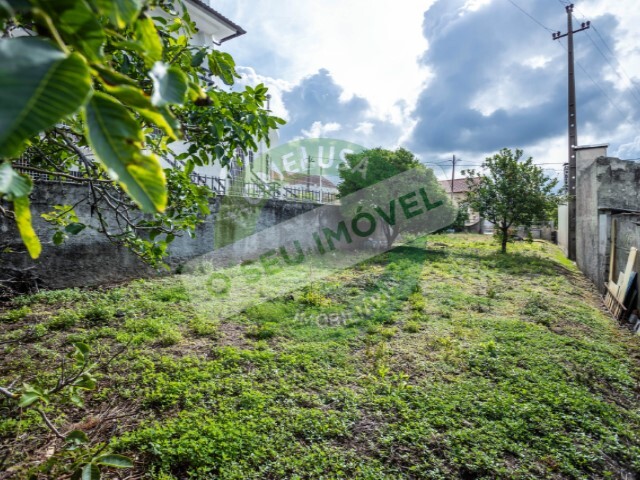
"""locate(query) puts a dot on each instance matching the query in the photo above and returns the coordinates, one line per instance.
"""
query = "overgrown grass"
(440, 359)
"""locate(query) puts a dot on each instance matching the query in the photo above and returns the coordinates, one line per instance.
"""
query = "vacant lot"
(440, 359)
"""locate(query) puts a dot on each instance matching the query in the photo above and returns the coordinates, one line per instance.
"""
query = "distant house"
(213, 30)
(458, 196)
(316, 183)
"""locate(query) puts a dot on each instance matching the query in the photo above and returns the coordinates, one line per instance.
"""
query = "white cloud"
(319, 129)
(629, 150)
(537, 61)
(365, 128)
(475, 5)
(370, 47)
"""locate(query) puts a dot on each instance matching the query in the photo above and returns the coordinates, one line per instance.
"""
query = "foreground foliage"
(96, 92)
(450, 361)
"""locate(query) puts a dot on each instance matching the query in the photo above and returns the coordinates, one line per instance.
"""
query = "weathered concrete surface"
(90, 259)
(627, 236)
(607, 188)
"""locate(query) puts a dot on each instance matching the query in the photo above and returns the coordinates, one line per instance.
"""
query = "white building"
(213, 30)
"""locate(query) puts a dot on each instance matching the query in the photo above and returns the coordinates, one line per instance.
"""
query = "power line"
(597, 85)
(634, 90)
(530, 16)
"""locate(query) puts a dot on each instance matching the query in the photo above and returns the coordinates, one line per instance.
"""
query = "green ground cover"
(440, 359)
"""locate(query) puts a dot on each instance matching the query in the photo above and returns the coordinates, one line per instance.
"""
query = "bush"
(263, 332)
(15, 315)
(411, 327)
(99, 314)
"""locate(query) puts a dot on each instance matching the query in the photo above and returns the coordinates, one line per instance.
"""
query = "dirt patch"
(232, 335)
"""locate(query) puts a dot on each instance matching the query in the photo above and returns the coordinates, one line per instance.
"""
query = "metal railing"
(218, 185)
(272, 190)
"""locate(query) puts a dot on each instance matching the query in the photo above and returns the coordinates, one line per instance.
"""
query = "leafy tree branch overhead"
(97, 92)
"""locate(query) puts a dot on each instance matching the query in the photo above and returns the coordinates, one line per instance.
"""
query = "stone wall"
(89, 258)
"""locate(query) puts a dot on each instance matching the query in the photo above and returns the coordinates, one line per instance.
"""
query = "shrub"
(263, 332)
(99, 314)
(15, 315)
(65, 319)
(169, 338)
(411, 327)
(203, 327)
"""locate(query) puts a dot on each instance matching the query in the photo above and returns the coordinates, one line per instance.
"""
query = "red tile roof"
(459, 185)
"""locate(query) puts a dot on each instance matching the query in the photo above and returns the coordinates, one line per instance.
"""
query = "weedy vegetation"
(455, 362)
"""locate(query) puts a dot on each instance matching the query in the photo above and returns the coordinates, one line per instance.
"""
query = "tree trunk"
(390, 234)
(505, 239)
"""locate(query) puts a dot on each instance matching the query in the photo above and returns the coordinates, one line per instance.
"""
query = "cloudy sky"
(444, 77)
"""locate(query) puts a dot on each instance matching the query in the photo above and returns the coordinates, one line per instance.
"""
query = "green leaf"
(12, 183)
(28, 398)
(129, 95)
(58, 238)
(112, 77)
(90, 472)
(80, 27)
(23, 220)
(148, 37)
(117, 140)
(198, 58)
(75, 228)
(86, 382)
(5, 10)
(113, 460)
(222, 65)
(120, 12)
(162, 118)
(77, 436)
(169, 85)
(39, 86)
(135, 98)
(82, 348)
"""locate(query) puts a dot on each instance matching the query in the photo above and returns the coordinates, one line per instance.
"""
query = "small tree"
(511, 193)
(373, 167)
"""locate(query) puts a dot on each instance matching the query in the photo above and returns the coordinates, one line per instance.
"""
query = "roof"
(459, 185)
(586, 147)
(237, 29)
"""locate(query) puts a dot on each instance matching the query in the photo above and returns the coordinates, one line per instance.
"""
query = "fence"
(218, 185)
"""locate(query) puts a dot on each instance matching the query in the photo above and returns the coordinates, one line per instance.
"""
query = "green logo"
(301, 162)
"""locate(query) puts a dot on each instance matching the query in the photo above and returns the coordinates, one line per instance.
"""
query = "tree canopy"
(371, 170)
(96, 92)
(512, 192)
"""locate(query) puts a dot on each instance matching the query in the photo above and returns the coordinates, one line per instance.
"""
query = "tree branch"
(49, 424)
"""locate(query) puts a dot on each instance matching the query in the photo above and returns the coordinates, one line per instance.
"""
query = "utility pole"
(573, 126)
(309, 173)
(453, 176)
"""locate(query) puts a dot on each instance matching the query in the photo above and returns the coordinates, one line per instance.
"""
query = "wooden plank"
(624, 283)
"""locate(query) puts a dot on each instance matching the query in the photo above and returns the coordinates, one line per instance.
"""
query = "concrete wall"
(606, 187)
(587, 221)
(563, 228)
(90, 259)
